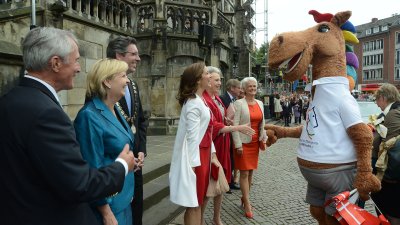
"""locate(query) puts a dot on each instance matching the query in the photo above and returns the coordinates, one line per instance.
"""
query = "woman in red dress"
(221, 136)
(248, 110)
(193, 149)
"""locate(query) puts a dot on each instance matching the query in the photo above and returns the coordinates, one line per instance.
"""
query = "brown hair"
(188, 85)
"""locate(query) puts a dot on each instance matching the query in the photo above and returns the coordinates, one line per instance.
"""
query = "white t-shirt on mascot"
(332, 110)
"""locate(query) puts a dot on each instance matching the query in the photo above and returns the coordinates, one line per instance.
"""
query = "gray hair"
(42, 43)
(119, 45)
(389, 92)
(245, 81)
(212, 69)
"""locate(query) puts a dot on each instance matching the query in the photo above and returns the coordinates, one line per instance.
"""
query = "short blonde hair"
(102, 70)
(245, 81)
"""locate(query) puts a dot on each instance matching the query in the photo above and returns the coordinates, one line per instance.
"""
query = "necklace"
(126, 117)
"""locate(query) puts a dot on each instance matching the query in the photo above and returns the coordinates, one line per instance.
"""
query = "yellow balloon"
(350, 37)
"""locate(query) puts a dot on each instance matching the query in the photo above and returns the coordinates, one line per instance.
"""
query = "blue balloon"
(351, 72)
(349, 27)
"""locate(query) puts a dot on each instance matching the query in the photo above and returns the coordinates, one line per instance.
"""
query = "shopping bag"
(348, 213)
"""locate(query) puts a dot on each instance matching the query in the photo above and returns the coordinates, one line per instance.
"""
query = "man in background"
(130, 106)
(232, 93)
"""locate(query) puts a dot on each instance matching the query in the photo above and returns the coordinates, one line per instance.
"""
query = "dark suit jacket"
(286, 109)
(44, 179)
(139, 121)
(226, 99)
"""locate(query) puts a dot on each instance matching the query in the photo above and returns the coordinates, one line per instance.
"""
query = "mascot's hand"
(365, 183)
(272, 138)
(274, 133)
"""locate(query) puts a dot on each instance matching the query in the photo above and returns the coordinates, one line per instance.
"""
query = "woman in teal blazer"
(102, 132)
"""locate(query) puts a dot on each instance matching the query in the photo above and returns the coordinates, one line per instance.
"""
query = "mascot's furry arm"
(365, 181)
(275, 132)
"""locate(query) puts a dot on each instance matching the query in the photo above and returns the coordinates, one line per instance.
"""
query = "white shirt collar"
(52, 90)
(331, 80)
(385, 112)
(231, 96)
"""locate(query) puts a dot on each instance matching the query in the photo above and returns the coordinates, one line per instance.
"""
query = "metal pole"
(33, 14)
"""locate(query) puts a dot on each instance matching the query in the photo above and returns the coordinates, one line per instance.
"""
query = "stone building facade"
(168, 36)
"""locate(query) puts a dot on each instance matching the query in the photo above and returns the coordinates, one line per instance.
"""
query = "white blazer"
(193, 123)
(242, 116)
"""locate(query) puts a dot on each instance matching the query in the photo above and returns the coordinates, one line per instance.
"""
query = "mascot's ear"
(340, 18)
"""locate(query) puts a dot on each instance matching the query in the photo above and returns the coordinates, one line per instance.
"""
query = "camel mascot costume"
(334, 152)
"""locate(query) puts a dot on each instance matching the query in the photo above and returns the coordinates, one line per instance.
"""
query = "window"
(398, 37)
(368, 31)
(397, 73)
(376, 30)
(397, 57)
(379, 74)
(366, 75)
(380, 43)
(384, 28)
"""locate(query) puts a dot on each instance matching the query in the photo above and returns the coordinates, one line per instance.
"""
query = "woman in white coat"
(193, 150)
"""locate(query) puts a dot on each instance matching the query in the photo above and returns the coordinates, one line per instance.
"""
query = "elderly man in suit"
(43, 176)
(125, 49)
(231, 94)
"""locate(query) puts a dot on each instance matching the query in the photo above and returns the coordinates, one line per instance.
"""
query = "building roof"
(378, 24)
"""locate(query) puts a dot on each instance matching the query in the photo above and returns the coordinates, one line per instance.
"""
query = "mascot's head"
(323, 46)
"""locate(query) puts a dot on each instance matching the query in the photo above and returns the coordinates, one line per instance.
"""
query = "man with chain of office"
(125, 49)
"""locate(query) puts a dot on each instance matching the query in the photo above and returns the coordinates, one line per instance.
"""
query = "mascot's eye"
(323, 28)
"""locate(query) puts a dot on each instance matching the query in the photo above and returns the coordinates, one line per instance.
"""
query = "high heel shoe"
(242, 202)
(249, 215)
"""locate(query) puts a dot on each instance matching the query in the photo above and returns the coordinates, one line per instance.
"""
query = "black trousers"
(137, 203)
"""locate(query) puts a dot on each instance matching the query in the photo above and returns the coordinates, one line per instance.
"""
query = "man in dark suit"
(125, 49)
(43, 176)
(231, 94)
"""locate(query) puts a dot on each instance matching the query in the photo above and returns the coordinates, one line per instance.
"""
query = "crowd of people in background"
(289, 107)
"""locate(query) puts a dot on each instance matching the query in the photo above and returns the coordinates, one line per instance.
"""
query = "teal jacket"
(102, 137)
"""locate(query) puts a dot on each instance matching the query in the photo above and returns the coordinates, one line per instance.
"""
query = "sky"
(292, 15)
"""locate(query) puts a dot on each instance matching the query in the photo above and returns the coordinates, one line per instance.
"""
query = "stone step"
(156, 205)
(161, 213)
(155, 190)
(157, 130)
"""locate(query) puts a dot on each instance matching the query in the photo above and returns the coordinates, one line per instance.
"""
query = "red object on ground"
(351, 214)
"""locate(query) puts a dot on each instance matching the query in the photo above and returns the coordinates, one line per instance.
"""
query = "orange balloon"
(351, 82)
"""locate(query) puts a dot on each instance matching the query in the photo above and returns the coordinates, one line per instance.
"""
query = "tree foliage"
(260, 55)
